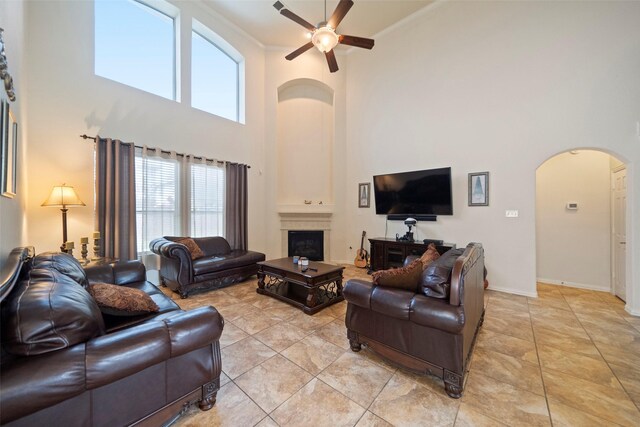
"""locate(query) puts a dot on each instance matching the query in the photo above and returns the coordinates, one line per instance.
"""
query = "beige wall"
(279, 72)
(574, 246)
(478, 86)
(498, 87)
(12, 211)
(67, 99)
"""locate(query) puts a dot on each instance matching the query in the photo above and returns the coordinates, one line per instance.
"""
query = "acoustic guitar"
(362, 256)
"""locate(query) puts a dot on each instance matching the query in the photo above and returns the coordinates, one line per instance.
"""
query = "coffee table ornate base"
(308, 290)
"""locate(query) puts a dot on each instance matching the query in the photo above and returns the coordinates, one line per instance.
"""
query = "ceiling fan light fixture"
(325, 38)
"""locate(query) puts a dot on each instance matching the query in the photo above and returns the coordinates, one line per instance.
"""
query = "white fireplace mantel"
(305, 209)
(308, 220)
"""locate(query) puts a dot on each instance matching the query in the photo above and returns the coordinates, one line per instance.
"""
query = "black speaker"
(402, 217)
(435, 242)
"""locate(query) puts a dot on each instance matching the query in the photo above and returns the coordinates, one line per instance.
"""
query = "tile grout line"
(637, 405)
(599, 352)
(535, 342)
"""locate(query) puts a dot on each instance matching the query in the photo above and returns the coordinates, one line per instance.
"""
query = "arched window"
(135, 44)
(216, 74)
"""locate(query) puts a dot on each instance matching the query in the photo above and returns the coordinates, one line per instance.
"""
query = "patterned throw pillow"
(121, 300)
(430, 255)
(406, 278)
(193, 247)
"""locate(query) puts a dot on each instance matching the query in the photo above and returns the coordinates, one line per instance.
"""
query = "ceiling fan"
(324, 36)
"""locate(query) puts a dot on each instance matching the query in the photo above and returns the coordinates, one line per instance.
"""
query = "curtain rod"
(221, 162)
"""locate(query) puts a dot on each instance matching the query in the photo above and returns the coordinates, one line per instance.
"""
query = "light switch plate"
(511, 213)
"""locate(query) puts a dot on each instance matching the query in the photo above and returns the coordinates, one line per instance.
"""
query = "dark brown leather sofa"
(426, 334)
(219, 267)
(63, 364)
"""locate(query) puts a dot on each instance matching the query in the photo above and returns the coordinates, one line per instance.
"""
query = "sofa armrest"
(467, 277)
(358, 292)
(118, 273)
(194, 329)
(125, 352)
(175, 260)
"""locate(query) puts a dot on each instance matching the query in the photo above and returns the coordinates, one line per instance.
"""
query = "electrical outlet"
(511, 213)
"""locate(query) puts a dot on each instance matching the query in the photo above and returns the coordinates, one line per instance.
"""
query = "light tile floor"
(570, 357)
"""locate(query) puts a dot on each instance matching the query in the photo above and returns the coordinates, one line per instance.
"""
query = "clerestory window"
(215, 74)
(135, 44)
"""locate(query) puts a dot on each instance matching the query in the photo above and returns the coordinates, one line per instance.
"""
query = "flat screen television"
(425, 192)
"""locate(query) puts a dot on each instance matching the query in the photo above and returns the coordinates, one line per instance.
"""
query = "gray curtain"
(236, 206)
(116, 198)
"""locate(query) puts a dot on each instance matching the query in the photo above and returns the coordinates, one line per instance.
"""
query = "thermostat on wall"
(572, 206)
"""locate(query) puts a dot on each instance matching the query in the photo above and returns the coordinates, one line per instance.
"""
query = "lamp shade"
(62, 196)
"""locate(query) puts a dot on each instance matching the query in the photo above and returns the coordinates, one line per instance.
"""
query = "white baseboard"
(574, 285)
(513, 291)
(630, 311)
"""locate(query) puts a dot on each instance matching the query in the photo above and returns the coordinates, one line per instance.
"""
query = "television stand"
(389, 253)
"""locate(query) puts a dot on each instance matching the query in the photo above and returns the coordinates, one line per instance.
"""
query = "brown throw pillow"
(406, 278)
(193, 247)
(430, 255)
(121, 300)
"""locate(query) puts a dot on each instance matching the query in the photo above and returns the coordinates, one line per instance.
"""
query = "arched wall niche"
(305, 139)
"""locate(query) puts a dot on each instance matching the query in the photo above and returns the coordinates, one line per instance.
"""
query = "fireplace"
(307, 243)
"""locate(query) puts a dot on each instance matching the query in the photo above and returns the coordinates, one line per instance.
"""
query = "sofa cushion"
(30, 384)
(46, 312)
(213, 245)
(391, 302)
(430, 255)
(406, 278)
(437, 313)
(235, 258)
(192, 246)
(122, 300)
(358, 292)
(64, 264)
(436, 278)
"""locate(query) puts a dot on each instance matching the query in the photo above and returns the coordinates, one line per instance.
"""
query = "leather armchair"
(219, 267)
(425, 334)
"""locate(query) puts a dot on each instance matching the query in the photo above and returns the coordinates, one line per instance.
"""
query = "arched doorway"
(581, 221)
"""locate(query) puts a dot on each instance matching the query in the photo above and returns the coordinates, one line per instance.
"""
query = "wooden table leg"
(312, 298)
(260, 275)
(339, 287)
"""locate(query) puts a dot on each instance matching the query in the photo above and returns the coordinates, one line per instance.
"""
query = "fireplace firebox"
(305, 243)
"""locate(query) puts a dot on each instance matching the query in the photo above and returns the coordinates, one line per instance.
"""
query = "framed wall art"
(479, 189)
(364, 195)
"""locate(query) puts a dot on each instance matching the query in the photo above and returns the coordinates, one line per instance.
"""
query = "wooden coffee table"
(311, 290)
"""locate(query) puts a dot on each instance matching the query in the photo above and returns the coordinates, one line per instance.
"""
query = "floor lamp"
(62, 197)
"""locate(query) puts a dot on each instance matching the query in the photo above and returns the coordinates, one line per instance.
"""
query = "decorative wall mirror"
(8, 129)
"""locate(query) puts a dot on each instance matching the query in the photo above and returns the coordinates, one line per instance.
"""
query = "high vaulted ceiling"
(263, 22)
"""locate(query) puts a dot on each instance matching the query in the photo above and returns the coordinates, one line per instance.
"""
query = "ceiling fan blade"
(295, 18)
(356, 41)
(331, 60)
(340, 12)
(299, 51)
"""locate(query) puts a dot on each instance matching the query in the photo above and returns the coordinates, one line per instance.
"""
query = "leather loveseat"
(64, 364)
(219, 266)
(431, 329)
